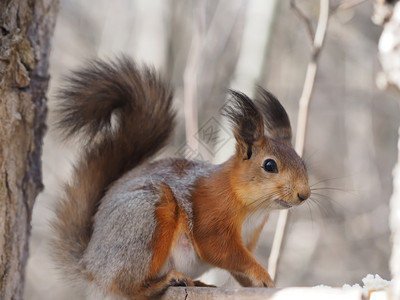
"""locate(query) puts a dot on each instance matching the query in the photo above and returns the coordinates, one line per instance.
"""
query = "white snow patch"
(375, 288)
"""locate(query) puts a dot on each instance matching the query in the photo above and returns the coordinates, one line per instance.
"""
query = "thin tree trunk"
(26, 28)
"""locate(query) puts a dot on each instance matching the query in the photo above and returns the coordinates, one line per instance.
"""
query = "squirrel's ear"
(247, 121)
(276, 120)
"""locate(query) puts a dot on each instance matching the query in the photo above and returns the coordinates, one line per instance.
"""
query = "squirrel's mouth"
(283, 203)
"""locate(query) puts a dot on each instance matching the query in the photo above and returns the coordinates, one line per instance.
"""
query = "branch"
(304, 104)
(304, 18)
(190, 79)
(347, 4)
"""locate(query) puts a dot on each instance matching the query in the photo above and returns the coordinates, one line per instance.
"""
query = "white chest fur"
(252, 223)
(184, 259)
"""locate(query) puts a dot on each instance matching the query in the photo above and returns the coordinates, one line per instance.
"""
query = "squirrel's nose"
(304, 194)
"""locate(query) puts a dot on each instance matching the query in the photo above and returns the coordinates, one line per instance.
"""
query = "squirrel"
(133, 226)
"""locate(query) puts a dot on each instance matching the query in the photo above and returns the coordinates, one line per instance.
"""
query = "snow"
(374, 288)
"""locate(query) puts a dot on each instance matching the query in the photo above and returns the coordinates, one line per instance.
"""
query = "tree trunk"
(26, 28)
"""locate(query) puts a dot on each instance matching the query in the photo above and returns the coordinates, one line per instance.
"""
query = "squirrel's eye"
(270, 166)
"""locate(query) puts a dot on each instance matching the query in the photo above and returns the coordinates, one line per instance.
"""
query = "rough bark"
(26, 28)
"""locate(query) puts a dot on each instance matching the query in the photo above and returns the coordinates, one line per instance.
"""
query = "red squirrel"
(132, 226)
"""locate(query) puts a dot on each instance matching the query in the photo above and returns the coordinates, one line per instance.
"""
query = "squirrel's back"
(123, 116)
(121, 251)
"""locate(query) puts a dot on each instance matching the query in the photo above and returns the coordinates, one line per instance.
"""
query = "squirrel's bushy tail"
(123, 116)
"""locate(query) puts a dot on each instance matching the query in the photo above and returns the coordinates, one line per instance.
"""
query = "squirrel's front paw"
(263, 280)
(176, 278)
(255, 279)
(267, 283)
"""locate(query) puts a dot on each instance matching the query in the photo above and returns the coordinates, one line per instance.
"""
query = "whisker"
(310, 211)
(323, 209)
(329, 179)
(351, 192)
(322, 195)
(260, 202)
(329, 199)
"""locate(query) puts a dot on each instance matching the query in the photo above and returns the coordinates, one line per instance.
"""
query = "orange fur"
(218, 218)
(170, 222)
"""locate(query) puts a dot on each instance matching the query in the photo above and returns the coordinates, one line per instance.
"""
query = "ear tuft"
(275, 117)
(247, 121)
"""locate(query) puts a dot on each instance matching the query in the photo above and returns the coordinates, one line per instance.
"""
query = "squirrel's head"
(266, 171)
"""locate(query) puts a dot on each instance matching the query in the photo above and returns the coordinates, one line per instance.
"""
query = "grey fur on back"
(125, 221)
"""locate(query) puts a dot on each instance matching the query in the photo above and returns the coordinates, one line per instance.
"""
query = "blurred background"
(204, 48)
